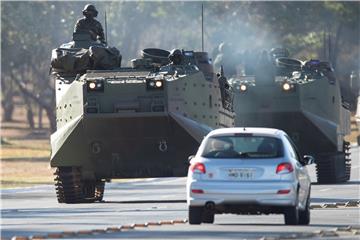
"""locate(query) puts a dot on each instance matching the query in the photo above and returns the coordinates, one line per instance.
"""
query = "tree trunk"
(52, 118)
(40, 123)
(29, 113)
(8, 102)
(8, 107)
(48, 107)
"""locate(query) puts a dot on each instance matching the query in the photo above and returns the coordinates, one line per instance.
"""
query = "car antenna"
(244, 129)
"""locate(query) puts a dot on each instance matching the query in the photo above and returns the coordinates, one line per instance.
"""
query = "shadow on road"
(337, 184)
(146, 201)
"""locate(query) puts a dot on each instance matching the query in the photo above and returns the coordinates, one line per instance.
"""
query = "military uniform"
(92, 26)
(89, 24)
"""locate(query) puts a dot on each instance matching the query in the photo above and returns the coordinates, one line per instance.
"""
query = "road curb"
(336, 232)
(81, 233)
(349, 204)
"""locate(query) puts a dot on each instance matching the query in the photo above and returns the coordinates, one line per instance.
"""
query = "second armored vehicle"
(303, 99)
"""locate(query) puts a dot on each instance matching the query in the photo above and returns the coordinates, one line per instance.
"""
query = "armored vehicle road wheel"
(332, 169)
(70, 188)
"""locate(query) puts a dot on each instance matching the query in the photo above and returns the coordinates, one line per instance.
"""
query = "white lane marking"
(325, 189)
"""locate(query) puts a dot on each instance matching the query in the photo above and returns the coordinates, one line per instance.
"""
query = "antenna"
(329, 47)
(202, 27)
(106, 37)
(324, 46)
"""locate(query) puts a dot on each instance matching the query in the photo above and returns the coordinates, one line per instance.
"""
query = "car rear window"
(243, 146)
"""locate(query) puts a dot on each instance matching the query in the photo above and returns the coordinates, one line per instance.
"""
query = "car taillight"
(284, 168)
(198, 191)
(198, 168)
(284, 191)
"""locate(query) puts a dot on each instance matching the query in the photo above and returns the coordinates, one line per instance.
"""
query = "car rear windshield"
(243, 146)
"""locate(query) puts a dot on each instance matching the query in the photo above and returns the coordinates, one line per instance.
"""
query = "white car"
(248, 171)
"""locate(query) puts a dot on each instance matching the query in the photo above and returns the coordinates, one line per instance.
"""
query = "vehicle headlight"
(243, 87)
(152, 84)
(95, 86)
(92, 85)
(286, 86)
(158, 83)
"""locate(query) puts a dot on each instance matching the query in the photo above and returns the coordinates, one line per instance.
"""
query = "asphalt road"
(35, 211)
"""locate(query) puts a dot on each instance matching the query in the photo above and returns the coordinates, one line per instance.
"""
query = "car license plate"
(240, 173)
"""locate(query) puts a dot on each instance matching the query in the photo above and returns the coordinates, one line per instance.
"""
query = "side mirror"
(308, 160)
(190, 157)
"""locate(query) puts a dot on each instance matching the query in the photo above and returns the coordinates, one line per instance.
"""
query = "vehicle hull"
(126, 146)
(313, 115)
(305, 114)
(310, 139)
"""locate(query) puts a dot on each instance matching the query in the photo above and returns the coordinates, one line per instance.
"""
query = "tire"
(208, 217)
(195, 215)
(304, 215)
(291, 216)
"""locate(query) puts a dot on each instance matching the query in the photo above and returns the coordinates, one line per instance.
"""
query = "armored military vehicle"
(130, 122)
(302, 98)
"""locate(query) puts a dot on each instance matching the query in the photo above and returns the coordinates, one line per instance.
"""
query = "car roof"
(253, 130)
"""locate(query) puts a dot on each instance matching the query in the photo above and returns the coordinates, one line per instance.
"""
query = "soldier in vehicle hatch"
(89, 24)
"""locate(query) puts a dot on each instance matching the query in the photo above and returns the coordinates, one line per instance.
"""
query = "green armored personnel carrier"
(130, 122)
(302, 98)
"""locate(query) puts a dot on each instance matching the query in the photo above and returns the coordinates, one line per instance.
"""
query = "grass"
(24, 154)
(20, 173)
(17, 152)
(25, 163)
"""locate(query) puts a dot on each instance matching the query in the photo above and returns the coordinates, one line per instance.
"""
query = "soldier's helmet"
(90, 9)
(176, 56)
(279, 52)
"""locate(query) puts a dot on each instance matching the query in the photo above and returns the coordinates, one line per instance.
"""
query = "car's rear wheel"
(208, 217)
(291, 215)
(304, 215)
(195, 215)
